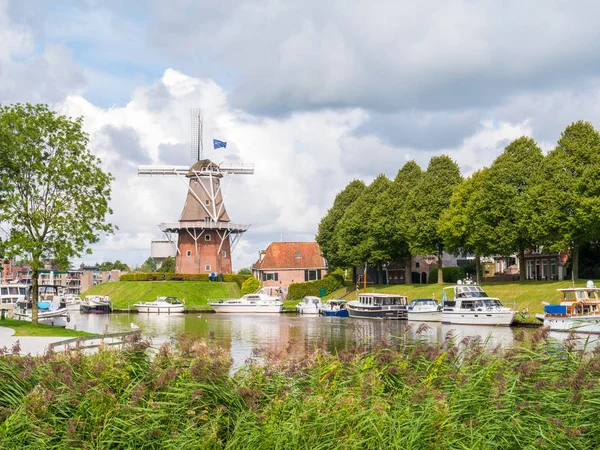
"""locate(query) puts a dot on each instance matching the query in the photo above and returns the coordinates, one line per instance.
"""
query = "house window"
(207, 267)
(530, 270)
(311, 275)
(224, 254)
(207, 237)
(188, 253)
(274, 276)
(544, 269)
(417, 265)
(298, 255)
(553, 269)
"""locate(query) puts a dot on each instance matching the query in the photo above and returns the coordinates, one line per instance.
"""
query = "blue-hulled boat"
(334, 308)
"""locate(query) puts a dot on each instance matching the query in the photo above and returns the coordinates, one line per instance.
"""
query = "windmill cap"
(202, 166)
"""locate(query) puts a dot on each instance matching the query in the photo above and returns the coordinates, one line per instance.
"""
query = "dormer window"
(297, 254)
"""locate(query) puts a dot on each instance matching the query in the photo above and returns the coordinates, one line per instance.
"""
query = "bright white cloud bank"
(301, 162)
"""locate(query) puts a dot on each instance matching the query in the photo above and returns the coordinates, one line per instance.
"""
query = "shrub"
(251, 285)
(159, 276)
(450, 274)
(245, 271)
(330, 282)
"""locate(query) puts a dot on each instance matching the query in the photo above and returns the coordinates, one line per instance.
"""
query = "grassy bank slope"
(195, 293)
(25, 328)
(528, 294)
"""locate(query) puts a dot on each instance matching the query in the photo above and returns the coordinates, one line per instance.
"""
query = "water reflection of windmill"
(204, 236)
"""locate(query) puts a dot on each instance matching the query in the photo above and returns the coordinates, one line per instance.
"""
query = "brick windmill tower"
(204, 236)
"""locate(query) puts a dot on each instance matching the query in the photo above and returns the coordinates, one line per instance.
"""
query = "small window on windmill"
(207, 267)
(207, 202)
(188, 253)
(298, 255)
(224, 254)
(207, 237)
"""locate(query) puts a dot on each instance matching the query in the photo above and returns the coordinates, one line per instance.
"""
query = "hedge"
(330, 282)
(159, 276)
(450, 274)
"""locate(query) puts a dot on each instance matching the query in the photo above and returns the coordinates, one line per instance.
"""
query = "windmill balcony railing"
(233, 227)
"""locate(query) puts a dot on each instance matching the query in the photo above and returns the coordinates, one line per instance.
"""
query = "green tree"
(245, 271)
(565, 201)
(355, 241)
(251, 285)
(326, 235)
(55, 195)
(389, 225)
(511, 178)
(427, 205)
(464, 225)
(168, 265)
(149, 265)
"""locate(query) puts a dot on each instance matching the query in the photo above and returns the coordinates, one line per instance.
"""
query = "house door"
(424, 278)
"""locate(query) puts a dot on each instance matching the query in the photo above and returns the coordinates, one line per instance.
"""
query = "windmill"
(204, 236)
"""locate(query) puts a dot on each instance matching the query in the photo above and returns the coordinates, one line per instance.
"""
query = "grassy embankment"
(25, 328)
(407, 396)
(124, 294)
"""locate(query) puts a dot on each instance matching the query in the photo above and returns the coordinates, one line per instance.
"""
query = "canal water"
(243, 334)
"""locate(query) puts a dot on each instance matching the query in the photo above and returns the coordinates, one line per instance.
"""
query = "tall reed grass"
(396, 395)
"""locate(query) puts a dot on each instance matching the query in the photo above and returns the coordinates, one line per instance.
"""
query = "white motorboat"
(425, 310)
(96, 304)
(468, 304)
(50, 305)
(378, 306)
(262, 301)
(578, 311)
(334, 308)
(72, 302)
(309, 305)
(162, 305)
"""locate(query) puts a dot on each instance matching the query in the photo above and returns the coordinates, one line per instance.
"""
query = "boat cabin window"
(4, 291)
(592, 295)
(580, 295)
(568, 295)
(13, 290)
(467, 304)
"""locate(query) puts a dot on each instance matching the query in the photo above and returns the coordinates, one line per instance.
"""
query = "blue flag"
(219, 144)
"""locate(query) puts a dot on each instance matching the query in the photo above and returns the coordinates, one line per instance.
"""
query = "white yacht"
(10, 294)
(262, 301)
(468, 304)
(162, 305)
(579, 310)
(309, 305)
(72, 302)
(425, 310)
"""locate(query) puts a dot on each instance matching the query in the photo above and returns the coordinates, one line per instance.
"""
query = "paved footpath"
(34, 345)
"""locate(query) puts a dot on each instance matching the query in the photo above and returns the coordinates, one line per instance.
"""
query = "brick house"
(284, 263)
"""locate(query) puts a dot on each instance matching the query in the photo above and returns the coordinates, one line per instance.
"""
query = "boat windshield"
(425, 302)
(470, 292)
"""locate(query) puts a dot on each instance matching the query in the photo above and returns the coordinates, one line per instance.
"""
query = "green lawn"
(195, 293)
(523, 294)
(25, 328)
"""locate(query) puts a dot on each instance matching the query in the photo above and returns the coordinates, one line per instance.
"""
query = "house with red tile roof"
(284, 263)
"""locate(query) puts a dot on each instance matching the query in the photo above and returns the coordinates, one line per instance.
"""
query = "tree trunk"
(34, 293)
(408, 270)
(522, 271)
(440, 270)
(477, 269)
(575, 261)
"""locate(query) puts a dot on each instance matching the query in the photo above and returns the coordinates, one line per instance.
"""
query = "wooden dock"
(86, 342)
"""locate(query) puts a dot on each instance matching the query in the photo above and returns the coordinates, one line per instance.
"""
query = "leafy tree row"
(523, 200)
